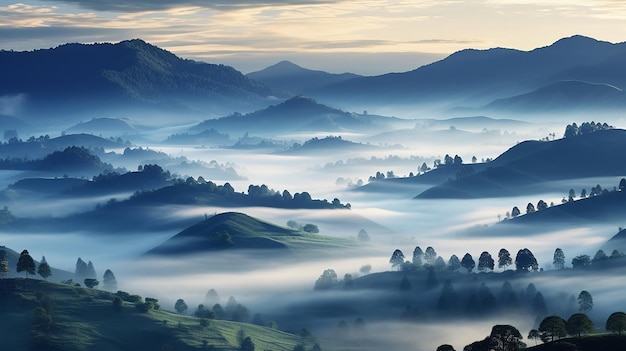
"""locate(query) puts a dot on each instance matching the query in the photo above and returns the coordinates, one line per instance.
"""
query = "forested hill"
(131, 74)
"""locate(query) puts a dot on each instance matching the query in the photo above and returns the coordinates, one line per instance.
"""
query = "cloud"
(159, 5)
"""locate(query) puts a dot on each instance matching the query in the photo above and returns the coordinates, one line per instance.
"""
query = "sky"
(366, 37)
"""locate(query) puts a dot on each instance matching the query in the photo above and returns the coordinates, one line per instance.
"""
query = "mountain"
(328, 144)
(523, 168)
(477, 77)
(298, 114)
(289, 77)
(104, 126)
(128, 77)
(573, 96)
(232, 230)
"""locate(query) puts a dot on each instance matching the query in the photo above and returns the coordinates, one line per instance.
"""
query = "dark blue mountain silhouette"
(289, 77)
(132, 74)
(480, 76)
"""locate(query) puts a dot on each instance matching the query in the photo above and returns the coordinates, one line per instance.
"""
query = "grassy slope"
(84, 319)
(246, 233)
(605, 342)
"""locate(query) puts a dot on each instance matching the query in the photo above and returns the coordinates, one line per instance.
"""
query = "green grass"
(84, 319)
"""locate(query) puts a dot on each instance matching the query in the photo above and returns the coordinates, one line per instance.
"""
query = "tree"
(44, 269)
(534, 334)
(397, 258)
(26, 263)
(454, 264)
(91, 282)
(581, 261)
(541, 205)
(504, 258)
(418, 255)
(599, 258)
(485, 262)
(558, 260)
(622, 184)
(539, 304)
(117, 303)
(448, 299)
(326, 280)
(363, 236)
(468, 263)
(552, 327)
(4, 264)
(430, 255)
(109, 283)
(445, 347)
(510, 338)
(180, 306)
(578, 324)
(515, 212)
(616, 323)
(585, 301)
(447, 160)
(525, 261)
(440, 264)
(41, 319)
(311, 228)
(530, 208)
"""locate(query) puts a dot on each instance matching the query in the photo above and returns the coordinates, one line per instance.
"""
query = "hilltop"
(237, 231)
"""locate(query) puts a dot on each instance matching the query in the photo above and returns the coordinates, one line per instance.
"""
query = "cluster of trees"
(542, 205)
(26, 264)
(524, 261)
(72, 157)
(572, 130)
(309, 228)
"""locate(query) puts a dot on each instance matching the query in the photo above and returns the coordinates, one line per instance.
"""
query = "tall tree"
(530, 208)
(397, 259)
(468, 262)
(558, 260)
(616, 323)
(4, 264)
(418, 255)
(578, 324)
(109, 283)
(430, 255)
(515, 212)
(26, 263)
(552, 327)
(585, 301)
(44, 269)
(180, 306)
(485, 262)
(454, 264)
(525, 261)
(504, 258)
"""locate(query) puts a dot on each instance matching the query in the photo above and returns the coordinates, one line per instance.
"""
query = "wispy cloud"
(158, 5)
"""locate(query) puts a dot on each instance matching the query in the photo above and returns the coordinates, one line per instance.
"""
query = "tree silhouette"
(109, 283)
(247, 344)
(581, 261)
(397, 259)
(4, 264)
(578, 324)
(585, 301)
(44, 269)
(418, 254)
(616, 322)
(468, 262)
(180, 306)
(454, 264)
(530, 208)
(552, 327)
(515, 212)
(534, 334)
(485, 262)
(26, 263)
(91, 282)
(326, 280)
(558, 260)
(525, 261)
(504, 258)
(430, 255)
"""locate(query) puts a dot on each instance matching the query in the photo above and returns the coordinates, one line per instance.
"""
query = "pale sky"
(360, 36)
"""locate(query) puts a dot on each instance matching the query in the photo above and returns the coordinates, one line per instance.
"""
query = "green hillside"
(85, 319)
(605, 342)
(233, 230)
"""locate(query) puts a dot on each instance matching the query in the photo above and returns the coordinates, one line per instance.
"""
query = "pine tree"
(109, 283)
(44, 269)
(26, 263)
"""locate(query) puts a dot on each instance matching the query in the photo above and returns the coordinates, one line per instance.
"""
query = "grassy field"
(85, 319)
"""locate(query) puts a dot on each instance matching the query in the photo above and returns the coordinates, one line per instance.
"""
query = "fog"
(272, 283)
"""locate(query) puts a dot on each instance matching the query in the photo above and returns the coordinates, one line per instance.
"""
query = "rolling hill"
(72, 80)
(78, 318)
(289, 77)
(105, 127)
(237, 231)
(524, 167)
(570, 95)
(477, 77)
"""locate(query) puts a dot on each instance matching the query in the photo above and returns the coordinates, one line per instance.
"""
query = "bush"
(117, 303)
(41, 319)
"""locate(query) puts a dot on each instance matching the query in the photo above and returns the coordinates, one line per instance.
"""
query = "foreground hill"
(287, 76)
(131, 75)
(76, 318)
(236, 231)
(523, 167)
